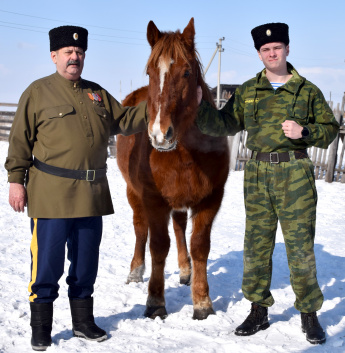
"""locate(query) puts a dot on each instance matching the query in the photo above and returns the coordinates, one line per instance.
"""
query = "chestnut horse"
(171, 168)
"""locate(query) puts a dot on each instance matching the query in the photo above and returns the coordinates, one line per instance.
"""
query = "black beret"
(270, 32)
(68, 36)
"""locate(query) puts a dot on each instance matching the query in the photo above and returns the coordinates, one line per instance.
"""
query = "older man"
(284, 114)
(57, 167)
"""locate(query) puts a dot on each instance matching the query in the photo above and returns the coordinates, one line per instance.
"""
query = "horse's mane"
(170, 46)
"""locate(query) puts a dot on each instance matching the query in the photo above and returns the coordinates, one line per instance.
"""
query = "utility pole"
(219, 49)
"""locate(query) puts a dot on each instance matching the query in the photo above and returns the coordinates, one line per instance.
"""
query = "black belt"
(275, 157)
(88, 175)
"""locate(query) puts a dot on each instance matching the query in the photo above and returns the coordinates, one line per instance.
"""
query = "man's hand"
(199, 94)
(17, 197)
(292, 130)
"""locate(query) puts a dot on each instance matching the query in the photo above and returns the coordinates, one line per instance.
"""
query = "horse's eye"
(186, 73)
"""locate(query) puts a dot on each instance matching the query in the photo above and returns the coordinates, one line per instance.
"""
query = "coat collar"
(66, 82)
(293, 85)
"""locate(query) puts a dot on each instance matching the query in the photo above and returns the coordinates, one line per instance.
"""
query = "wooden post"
(234, 147)
(112, 146)
(332, 157)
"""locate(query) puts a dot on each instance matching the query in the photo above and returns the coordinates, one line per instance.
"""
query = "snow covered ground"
(119, 307)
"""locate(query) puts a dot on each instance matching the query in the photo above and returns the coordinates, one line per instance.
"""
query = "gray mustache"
(73, 62)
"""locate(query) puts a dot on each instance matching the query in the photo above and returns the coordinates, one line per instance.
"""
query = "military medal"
(96, 98)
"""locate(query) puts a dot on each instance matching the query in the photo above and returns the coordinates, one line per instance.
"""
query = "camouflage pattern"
(284, 191)
(258, 108)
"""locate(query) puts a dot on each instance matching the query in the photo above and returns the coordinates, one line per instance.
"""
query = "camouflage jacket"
(258, 108)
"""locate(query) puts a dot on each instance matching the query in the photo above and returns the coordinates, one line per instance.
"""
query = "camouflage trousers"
(284, 192)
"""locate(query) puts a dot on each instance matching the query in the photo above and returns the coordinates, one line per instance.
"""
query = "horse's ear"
(189, 33)
(153, 34)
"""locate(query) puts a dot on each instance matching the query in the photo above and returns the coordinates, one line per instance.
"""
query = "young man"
(284, 114)
(65, 121)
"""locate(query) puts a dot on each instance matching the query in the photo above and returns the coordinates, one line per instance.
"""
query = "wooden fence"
(329, 163)
(6, 119)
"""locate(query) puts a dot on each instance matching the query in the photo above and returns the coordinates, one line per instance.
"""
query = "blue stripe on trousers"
(49, 236)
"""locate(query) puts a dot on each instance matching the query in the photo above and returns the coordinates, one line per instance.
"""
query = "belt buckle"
(93, 174)
(274, 153)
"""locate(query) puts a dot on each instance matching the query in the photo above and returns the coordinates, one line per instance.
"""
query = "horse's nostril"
(169, 133)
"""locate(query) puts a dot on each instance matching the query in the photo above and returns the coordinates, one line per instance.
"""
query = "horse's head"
(174, 70)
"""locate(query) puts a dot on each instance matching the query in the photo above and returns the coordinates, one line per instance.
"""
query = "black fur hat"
(270, 32)
(68, 36)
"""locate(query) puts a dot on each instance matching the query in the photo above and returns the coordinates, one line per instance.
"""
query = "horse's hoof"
(185, 280)
(131, 279)
(136, 275)
(153, 311)
(202, 314)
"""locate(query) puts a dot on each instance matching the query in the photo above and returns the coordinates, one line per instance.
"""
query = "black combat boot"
(83, 320)
(41, 323)
(312, 328)
(257, 320)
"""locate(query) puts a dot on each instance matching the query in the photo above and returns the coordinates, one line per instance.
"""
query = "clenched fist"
(292, 130)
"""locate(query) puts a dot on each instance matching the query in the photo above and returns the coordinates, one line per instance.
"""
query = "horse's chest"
(180, 180)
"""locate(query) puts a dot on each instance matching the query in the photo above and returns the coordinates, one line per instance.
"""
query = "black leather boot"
(83, 320)
(41, 323)
(257, 320)
(312, 328)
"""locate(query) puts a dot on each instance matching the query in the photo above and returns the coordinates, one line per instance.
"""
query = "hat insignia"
(268, 32)
(75, 36)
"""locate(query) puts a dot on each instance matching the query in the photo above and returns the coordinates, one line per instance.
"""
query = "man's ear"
(260, 57)
(287, 50)
(53, 55)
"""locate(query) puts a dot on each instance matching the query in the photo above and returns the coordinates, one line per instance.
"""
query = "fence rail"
(329, 163)
(6, 120)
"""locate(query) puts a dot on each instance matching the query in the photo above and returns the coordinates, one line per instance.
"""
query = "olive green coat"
(258, 108)
(60, 123)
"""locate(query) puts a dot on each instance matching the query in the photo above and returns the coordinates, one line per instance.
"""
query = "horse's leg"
(141, 229)
(158, 216)
(180, 224)
(203, 216)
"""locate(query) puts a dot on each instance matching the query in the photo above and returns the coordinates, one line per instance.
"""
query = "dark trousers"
(49, 237)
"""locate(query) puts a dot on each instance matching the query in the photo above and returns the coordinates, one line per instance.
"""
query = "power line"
(23, 29)
(90, 37)
(20, 24)
(92, 26)
(50, 19)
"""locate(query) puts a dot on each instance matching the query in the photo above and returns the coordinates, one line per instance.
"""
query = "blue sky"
(118, 49)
